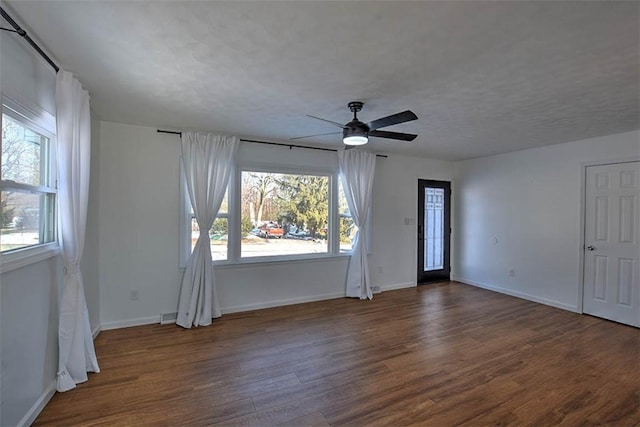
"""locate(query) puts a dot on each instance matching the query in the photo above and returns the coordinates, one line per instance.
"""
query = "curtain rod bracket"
(22, 33)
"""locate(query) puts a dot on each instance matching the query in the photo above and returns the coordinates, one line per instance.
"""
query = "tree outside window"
(289, 213)
(27, 201)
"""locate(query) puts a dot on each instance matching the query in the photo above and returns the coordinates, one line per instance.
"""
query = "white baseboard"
(395, 286)
(130, 322)
(46, 396)
(225, 310)
(96, 331)
(517, 294)
(279, 303)
(39, 405)
(247, 307)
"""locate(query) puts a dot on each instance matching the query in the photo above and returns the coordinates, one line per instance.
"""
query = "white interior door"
(612, 243)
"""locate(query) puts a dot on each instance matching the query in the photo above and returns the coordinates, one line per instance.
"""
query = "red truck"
(271, 229)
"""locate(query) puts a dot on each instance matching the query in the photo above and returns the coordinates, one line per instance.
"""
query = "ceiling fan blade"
(340, 125)
(393, 135)
(318, 134)
(394, 119)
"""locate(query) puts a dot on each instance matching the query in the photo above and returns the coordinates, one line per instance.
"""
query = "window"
(348, 228)
(284, 214)
(274, 213)
(219, 232)
(27, 200)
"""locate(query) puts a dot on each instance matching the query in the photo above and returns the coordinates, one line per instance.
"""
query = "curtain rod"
(22, 33)
(173, 132)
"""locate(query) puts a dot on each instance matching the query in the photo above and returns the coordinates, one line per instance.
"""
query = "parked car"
(298, 234)
(271, 229)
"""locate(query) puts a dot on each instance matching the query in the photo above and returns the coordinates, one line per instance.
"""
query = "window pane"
(284, 214)
(218, 236)
(23, 153)
(348, 228)
(224, 206)
(24, 218)
(434, 229)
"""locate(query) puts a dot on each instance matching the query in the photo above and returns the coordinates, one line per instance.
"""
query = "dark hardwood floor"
(438, 355)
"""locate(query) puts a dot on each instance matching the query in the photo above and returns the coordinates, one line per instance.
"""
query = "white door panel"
(612, 242)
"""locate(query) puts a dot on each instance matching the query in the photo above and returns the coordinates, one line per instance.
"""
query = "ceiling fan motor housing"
(355, 127)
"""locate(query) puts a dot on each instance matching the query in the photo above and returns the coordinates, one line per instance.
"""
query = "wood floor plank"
(314, 419)
(443, 354)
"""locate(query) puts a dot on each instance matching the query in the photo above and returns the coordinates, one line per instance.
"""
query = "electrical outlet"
(134, 295)
(512, 272)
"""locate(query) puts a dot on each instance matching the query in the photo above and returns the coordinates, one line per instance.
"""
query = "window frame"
(286, 170)
(44, 123)
(234, 216)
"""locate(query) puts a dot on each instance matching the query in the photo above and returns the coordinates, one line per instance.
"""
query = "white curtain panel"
(77, 355)
(208, 161)
(356, 172)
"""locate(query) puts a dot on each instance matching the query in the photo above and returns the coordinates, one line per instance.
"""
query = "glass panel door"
(433, 230)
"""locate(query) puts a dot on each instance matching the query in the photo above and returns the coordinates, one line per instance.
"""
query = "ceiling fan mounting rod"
(355, 106)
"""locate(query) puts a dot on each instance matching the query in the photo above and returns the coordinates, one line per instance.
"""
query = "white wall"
(521, 211)
(29, 328)
(395, 244)
(25, 76)
(139, 229)
(28, 295)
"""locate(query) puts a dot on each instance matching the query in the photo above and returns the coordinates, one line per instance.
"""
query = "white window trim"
(45, 123)
(42, 120)
(29, 255)
(234, 245)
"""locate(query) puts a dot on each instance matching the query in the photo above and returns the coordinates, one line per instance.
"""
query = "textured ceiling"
(483, 77)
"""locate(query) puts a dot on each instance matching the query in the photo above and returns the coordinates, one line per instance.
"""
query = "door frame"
(447, 252)
(583, 207)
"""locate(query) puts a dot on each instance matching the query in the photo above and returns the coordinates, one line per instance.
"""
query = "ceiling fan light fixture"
(355, 140)
(355, 134)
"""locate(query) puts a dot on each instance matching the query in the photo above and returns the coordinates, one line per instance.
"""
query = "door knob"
(591, 248)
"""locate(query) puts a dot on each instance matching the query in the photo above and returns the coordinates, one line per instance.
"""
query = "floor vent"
(166, 318)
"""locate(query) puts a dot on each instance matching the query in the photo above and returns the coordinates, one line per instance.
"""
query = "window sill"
(263, 261)
(23, 257)
(279, 260)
